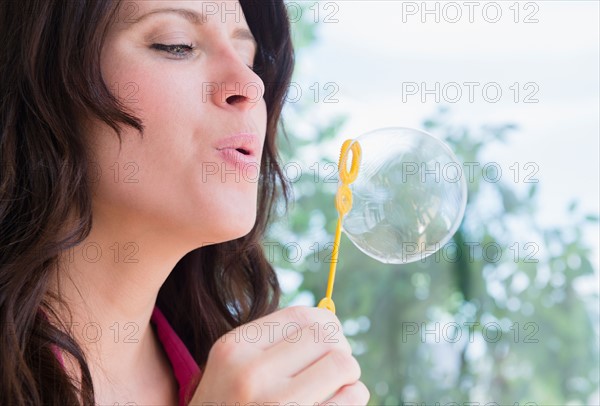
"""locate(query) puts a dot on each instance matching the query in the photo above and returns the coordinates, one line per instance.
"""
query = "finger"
(356, 394)
(298, 351)
(315, 383)
(269, 330)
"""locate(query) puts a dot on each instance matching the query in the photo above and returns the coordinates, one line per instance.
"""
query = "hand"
(297, 355)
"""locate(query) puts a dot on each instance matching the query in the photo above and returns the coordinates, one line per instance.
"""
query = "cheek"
(152, 97)
(142, 84)
(162, 102)
(262, 113)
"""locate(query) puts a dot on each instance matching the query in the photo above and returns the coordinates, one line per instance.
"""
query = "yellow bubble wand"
(343, 204)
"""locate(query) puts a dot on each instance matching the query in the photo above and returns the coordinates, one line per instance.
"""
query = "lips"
(240, 148)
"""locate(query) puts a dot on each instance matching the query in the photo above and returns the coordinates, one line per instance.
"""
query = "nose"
(235, 85)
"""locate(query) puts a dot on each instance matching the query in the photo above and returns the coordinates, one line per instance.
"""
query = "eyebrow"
(195, 18)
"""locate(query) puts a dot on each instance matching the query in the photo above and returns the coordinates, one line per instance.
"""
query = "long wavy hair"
(50, 76)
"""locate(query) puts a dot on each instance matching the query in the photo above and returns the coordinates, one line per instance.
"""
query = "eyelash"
(169, 48)
(188, 47)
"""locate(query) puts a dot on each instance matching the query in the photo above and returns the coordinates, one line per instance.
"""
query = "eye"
(180, 51)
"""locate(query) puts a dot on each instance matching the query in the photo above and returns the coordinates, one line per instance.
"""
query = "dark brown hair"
(50, 76)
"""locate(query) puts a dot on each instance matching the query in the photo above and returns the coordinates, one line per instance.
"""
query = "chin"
(246, 228)
(239, 221)
(237, 227)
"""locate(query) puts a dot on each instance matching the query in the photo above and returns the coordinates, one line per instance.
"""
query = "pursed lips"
(241, 148)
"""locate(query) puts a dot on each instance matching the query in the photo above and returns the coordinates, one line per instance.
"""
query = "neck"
(110, 283)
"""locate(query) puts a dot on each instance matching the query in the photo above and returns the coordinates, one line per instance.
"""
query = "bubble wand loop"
(343, 204)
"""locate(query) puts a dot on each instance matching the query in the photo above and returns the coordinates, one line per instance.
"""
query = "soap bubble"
(409, 197)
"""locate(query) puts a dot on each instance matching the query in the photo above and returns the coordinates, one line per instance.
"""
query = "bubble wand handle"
(343, 204)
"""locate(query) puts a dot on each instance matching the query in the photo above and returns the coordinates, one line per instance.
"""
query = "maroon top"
(182, 362)
(184, 366)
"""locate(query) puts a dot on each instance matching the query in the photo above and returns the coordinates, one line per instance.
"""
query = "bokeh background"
(516, 326)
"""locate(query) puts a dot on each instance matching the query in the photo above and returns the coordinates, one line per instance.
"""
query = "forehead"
(196, 12)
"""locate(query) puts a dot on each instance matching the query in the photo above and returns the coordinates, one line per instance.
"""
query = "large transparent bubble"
(409, 197)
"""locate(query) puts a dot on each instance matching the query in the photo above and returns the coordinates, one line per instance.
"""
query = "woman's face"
(194, 173)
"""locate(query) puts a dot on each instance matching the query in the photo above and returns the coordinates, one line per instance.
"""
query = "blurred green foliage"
(451, 328)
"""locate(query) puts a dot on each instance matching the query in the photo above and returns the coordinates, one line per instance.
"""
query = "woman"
(139, 168)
